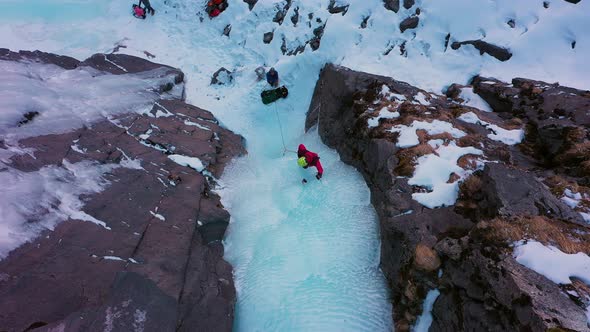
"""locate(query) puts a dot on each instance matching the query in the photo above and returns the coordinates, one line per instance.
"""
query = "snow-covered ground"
(306, 257)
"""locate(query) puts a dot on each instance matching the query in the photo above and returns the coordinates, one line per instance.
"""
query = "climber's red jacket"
(312, 158)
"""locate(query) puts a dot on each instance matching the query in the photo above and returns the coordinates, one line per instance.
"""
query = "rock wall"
(157, 264)
(455, 248)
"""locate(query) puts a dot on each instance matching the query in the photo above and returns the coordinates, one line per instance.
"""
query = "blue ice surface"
(50, 11)
(306, 257)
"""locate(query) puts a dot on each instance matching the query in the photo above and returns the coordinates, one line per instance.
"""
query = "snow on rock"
(553, 263)
(129, 162)
(386, 93)
(408, 137)
(500, 134)
(433, 172)
(113, 258)
(422, 99)
(192, 162)
(191, 123)
(47, 197)
(384, 113)
(570, 198)
(474, 100)
(157, 215)
(574, 200)
(68, 99)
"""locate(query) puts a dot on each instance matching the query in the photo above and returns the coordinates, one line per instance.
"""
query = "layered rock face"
(143, 250)
(457, 233)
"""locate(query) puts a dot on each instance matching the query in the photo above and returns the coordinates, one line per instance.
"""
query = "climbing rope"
(285, 150)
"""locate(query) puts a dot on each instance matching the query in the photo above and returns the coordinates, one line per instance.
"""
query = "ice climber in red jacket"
(308, 158)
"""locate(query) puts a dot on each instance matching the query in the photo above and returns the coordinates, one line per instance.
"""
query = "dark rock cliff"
(158, 263)
(462, 250)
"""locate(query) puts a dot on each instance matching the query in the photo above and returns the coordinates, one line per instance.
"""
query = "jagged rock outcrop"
(156, 264)
(458, 249)
(557, 118)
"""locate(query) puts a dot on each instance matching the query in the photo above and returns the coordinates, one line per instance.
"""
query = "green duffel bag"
(269, 96)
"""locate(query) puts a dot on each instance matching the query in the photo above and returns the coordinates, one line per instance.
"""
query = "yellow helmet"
(302, 162)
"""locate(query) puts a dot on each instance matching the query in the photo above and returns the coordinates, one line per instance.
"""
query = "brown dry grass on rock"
(569, 238)
(558, 184)
(577, 156)
(407, 158)
(470, 140)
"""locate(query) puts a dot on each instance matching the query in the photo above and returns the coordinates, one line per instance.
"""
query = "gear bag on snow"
(269, 96)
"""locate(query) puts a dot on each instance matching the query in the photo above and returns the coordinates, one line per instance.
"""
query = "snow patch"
(553, 263)
(192, 162)
(384, 113)
(190, 123)
(421, 98)
(76, 148)
(474, 100)
(408, 137)
(509, 137)
(127, 162)
(159, 216)
(113, 258)
(433, 172)
(139, 318)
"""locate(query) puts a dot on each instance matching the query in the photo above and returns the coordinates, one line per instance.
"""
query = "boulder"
(222, 77)
(267, 38)
(512, 192)
(409, 3)
(500, 53)
(392, 5)
(409, 23)
(495, 293)
(426, 259)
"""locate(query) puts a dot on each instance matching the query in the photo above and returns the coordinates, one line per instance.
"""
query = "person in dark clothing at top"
(308, 158)
(147, 6)
(272, 77)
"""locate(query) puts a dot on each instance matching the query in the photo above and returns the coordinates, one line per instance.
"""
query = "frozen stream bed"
(306, 258)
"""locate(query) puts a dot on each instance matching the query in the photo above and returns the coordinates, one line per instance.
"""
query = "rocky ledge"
(457, 189)
(140, 250)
